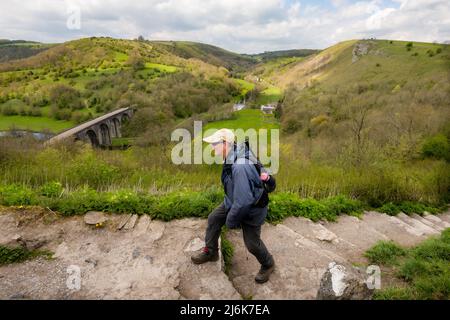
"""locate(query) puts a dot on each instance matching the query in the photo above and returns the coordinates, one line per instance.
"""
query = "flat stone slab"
(394, 228)
(148, 263)
(131, 222)
(95, 217)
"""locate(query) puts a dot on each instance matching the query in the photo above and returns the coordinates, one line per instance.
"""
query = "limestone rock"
(324, 234)
(94, 217)
(194, 245)
(130, 224)
(341, 282)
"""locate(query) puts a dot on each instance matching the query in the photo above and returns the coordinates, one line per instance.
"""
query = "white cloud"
(239, 25)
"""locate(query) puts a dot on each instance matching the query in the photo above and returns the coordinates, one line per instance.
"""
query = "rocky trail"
(134, 257)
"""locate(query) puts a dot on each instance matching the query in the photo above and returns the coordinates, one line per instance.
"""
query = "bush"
(12, 195)
(65, 97)
(88, 169)
(51, 189)
(436, 147)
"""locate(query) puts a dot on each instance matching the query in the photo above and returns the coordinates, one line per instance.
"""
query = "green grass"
(117, 142)
(161, 67)
(172, 205)
(246, 119)
(227, 250)
(245, 86)
(269, 95)
(425, 268)
(19, 254)
(34, 123)
(121, 57)
(385, 252)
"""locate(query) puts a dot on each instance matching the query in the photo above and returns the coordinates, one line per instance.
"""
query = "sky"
(243, 26)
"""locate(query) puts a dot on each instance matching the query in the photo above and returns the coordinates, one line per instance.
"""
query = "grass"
(246, 119)
(269, 95)
(34, 123)
(168, 206)
(385, 252)
(424, 268)
(244, 85)
(119, 142)
(227, 250)
(19, 254)
(161, 67)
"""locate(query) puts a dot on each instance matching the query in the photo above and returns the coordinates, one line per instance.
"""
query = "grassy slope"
(34, 123)
(207, 53)
(246, 119)
(395, 64)
(334, 66)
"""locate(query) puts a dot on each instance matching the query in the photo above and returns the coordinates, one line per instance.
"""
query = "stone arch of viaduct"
(99, 131)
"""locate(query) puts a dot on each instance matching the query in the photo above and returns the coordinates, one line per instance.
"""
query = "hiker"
(245, 203)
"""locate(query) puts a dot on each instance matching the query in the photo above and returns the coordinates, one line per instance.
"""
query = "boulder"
(341, 282)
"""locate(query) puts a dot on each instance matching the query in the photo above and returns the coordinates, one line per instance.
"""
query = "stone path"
(131, 257)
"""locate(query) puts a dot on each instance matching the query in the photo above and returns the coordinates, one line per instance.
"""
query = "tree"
(65, 97)
(136, 61)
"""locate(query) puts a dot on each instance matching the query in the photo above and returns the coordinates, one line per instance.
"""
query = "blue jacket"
(243, 187)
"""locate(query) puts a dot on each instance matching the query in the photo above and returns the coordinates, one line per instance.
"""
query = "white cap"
(220, 135)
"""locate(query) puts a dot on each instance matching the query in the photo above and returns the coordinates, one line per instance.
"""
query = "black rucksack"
(268, 185)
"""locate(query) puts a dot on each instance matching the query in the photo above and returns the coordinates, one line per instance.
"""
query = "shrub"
(65, 97)
(51, 189)
(88, 169)
(436, 147)
(12, 195)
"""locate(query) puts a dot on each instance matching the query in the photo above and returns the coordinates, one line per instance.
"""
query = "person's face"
(219, 148)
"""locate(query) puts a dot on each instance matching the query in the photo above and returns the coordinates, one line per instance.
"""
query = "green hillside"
(208, 53)
(19, 49)
(377, 107)
(366, 119)
(78, 80)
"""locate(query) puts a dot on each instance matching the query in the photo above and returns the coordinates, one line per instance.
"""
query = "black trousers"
(252, 236)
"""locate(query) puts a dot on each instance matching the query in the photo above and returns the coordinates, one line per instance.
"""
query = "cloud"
(239, 25)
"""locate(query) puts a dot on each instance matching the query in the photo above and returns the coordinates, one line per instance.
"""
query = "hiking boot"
(264, 273)
(204, 256)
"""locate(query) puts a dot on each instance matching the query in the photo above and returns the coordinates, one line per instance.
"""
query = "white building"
(267, 109)
(238, 106)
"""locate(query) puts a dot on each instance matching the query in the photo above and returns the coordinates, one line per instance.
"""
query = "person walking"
(244, 205)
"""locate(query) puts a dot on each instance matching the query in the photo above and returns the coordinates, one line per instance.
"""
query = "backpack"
(268, 185)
